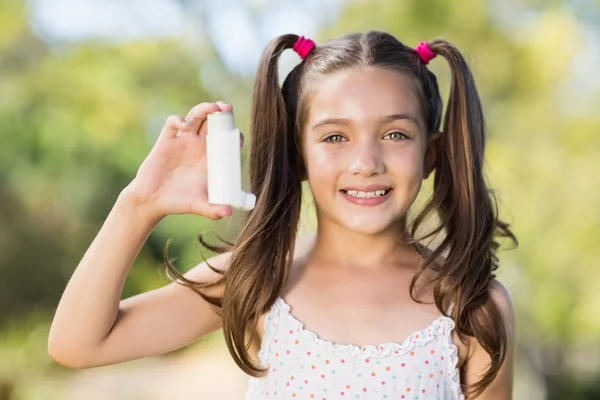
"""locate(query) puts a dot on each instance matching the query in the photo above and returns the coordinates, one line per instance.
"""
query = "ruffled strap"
(270, 328)
(452, 350)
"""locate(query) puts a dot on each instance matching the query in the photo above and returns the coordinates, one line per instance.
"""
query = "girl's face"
(364, 133)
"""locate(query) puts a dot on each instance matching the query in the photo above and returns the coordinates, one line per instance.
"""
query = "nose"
(367, 160)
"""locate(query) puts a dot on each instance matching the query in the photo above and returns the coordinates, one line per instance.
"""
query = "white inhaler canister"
(224, 168)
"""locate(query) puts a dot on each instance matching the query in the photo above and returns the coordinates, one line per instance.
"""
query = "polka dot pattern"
(303, 366)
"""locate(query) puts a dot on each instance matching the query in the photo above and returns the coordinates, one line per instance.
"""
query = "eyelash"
(405, 137)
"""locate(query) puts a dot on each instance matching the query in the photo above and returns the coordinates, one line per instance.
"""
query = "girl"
(365, 308)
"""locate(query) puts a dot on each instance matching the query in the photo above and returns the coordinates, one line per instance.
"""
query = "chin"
(362, 219)
(369, 225)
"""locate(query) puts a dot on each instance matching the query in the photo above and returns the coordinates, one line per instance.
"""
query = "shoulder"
(206, 269)
(501, 297)
(478, 361)
(208, 272)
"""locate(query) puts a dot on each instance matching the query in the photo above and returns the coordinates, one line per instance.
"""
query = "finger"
(224, 106)
(211, 211)
(173, 124)
(197, 115)
(203, 129)
(241, 139)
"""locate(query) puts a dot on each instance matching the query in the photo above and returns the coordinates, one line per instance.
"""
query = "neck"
(336, 246)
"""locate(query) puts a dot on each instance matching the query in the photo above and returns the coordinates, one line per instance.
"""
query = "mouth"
(366, 195)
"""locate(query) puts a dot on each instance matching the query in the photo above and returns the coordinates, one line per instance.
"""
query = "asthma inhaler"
(224, 168)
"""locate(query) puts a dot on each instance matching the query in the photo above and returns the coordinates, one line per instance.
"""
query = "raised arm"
(92, 326)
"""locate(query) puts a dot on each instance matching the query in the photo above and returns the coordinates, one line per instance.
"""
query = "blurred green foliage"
(77, 119)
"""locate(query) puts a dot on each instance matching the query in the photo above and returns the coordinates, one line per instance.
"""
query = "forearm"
(90, 303)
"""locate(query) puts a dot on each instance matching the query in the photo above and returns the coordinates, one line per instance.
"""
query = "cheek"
(409, 179)
(406, 164)
(320, 161)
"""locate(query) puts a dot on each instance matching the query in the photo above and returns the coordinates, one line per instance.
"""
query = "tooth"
(368, 195)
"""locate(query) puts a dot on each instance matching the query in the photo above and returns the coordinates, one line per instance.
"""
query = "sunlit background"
(86, 85)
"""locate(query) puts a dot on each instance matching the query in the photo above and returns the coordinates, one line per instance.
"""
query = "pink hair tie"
(425, 52)
(303, 46)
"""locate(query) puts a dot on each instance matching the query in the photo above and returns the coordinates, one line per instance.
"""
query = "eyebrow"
(387, 119)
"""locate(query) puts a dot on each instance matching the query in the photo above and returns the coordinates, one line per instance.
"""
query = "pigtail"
(262, 254)
(260, 262)
(469, 216)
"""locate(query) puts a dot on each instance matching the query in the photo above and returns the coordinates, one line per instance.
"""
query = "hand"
(172, 179)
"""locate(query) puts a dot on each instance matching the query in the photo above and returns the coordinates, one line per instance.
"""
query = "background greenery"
(77, 117)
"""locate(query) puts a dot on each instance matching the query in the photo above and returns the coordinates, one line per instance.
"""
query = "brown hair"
(468, 215)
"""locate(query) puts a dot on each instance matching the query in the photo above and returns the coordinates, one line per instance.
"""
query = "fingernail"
(227, 212)
(221, 103)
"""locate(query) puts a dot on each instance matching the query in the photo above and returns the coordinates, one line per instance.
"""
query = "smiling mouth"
(366, 195)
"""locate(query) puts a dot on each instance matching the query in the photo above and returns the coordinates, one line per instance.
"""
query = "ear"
(432, 153)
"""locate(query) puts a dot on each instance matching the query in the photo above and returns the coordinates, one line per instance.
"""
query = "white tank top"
(303, 366)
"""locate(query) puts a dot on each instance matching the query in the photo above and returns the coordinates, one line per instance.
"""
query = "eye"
(397, 136)
(327, 139)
